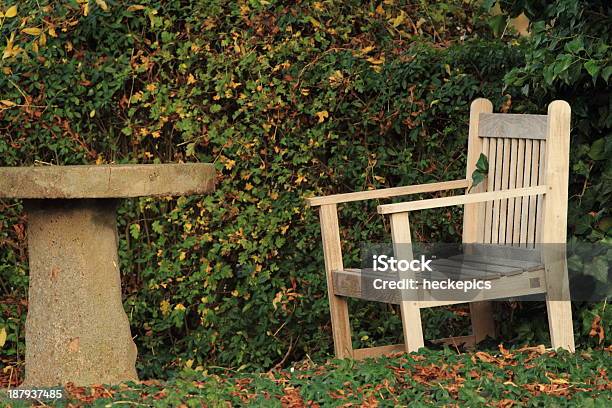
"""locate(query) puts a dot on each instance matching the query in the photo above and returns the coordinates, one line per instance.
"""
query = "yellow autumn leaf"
(11, 12)
(102, 4)
(397, 21)
(277, 299)
(558, 381)
(164, 306)
(367, 49)
(135, 7)
(7, 102)
(2, 337)
(376, 61)
(9, 50)
(32, 30)
(322, 115)
(314, 22)
(52, 32)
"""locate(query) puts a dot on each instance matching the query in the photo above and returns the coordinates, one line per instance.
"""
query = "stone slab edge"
(106, 181)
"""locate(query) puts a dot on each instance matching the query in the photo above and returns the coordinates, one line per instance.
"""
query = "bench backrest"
(516, 146)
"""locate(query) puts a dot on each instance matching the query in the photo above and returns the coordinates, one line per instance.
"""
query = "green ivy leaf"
(599, 269)
(592, 68)
(483, 163)
(549, 74)
(598, 149)
(605, 74)
(562, 63)
(497, 24)
(135, 231)
(575, 46)
(481, 171)
(488, 4)
(477, 178)
(157, 227)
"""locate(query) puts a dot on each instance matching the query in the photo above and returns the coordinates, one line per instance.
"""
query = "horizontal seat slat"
(481, 267)
(526, 266)
(504, 252)
(458, 272)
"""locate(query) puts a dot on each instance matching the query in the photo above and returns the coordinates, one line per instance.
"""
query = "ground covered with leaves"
(530, 376)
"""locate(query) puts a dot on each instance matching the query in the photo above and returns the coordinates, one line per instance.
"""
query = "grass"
(530, 377)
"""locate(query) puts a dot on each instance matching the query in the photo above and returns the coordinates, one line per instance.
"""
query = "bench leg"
(411, 323)
(338, 307)
(558, 301)
(560, 324)
(483, 324)
(411, 314)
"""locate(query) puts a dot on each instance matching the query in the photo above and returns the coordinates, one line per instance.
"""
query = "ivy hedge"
(288, 100)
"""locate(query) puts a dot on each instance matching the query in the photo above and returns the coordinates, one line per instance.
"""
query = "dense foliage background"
(289, 100)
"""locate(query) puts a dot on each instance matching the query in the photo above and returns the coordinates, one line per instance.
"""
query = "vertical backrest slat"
(497, 185)
(518, 202)
(490, 153)
(525, 200)
(535, 168)
(511, 184)
(540, 199)
(484, 235)
(505, 181)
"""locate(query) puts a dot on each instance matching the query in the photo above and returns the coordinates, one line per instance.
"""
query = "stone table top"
(106, 181)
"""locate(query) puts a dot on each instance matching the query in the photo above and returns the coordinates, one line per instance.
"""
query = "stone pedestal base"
(76, 328)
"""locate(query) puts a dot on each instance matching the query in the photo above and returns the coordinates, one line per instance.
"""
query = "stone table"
(76, 328)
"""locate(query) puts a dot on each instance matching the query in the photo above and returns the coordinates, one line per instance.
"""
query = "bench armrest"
(387, 192)
(460, 199)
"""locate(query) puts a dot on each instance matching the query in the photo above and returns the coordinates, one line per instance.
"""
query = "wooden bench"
(521, 204)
